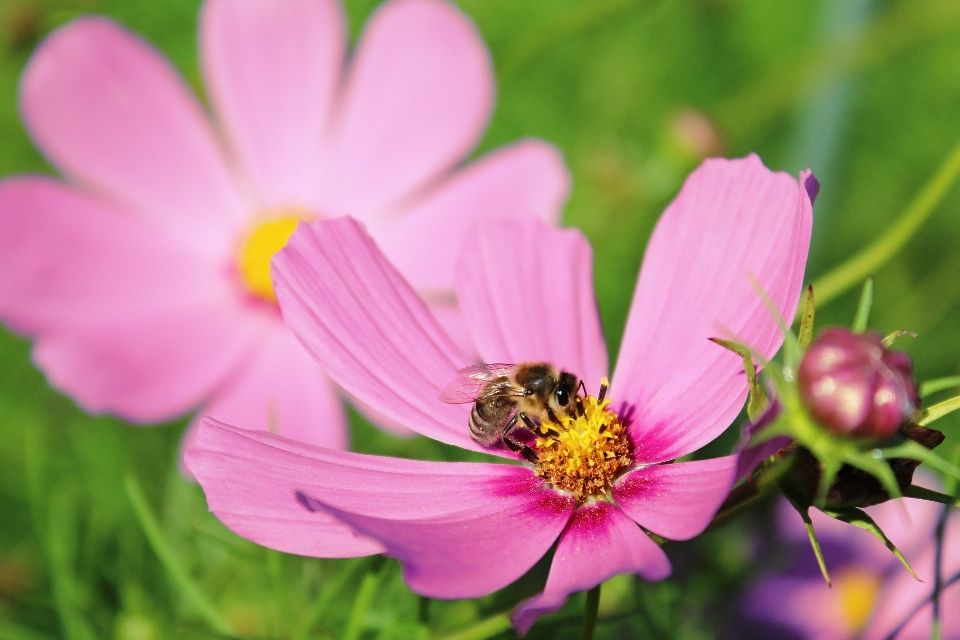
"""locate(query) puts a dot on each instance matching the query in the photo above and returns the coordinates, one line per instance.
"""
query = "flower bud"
(854, 386)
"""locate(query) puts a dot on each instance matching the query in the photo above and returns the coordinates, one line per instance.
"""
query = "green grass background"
(866, 92)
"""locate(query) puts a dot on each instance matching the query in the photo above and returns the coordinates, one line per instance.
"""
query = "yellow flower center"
(269, 235)
(583, 453)
(857, 589)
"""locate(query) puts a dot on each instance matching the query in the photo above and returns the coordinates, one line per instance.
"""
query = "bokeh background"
(635, 93)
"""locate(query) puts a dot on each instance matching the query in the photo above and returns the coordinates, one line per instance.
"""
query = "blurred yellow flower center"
(857, 589)
(583, 453)
(268, 236)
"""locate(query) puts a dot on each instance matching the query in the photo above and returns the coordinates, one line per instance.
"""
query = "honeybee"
(504, 395)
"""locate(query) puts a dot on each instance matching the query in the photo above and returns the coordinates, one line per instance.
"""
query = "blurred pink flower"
(144, 277)
(873, 595)
(462, 530)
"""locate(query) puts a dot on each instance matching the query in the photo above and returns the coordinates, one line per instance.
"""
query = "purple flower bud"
(854, 386)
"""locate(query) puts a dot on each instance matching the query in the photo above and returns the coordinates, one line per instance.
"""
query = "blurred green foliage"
(865, 92)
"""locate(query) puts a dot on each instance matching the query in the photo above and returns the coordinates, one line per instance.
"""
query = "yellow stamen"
(583, 453)
(857, 589)
(264, 240)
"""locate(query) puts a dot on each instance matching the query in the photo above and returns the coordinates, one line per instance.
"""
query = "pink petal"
(526, 290)
(485, 526)
(272, 68)
(733, 220)
(283, 391)
(127, 319)
(368, 330)
(418, 94)
(417, 510)
(153, 366)
(526, 179)
(70, 259)
(676, 501)
(599, 543)
(107, 109)
(251, 479)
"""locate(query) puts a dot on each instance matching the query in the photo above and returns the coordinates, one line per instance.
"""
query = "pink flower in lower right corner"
(601, 479)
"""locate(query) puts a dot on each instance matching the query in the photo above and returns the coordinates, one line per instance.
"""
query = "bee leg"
(519, 447)
(552, 416)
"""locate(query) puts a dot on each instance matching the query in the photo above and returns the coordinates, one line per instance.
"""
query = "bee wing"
(471, 382)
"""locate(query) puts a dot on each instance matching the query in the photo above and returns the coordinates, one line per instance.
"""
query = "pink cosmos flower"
(462, 530)
(872, 595)
(144, 275)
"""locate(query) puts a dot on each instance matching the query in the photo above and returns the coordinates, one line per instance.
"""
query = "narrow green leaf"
(362, 601)
(937, 411)
(859, 518)
(757, 400)
(168, 559)
(913, 491)
(916, 451)
(492, 626)
(817, 551)
(936, 385)
(791, 348)
(806, 320)
(830, 468)
(863, 308)
(899, 333)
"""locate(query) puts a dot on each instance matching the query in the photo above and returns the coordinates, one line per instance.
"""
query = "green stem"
(863, 264)
(484, 629)
(170, 562)
(590, 613)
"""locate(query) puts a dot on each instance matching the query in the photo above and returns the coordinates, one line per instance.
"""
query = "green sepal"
(937, 411)
(791, 348)
(913, 491)
(916, 451)
(863, 308)
(817, 551)
(757, 400)
(899, 333)
(806, 320)
(930, 387)
(859, 518)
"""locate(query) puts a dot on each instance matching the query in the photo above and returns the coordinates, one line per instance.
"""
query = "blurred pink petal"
(138, 271)
(676, 501)
(417, 96)
(109, 111)
(109, 264)
(150, 367)
(272, 69)
(368, 330)
(599, 543)
(527, 292)
(733, 220)
(283, 391)
(525, 179)
(251, 479)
